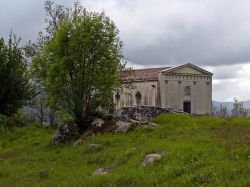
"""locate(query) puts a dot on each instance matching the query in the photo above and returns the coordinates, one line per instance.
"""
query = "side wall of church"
(147, 90)
(173, 94)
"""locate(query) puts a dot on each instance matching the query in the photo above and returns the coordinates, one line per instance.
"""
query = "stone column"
(180, 97)
(193, 101)
(166, 94)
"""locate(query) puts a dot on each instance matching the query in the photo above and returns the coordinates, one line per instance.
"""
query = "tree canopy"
(15, 88)
(79, 65)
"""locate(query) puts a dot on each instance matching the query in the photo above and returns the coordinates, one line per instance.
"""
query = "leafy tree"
(40, 103)
(15, 88)
(79, 64)
(238, 109)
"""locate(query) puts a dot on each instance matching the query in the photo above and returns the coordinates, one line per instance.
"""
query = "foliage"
(2, 122)
(14, 79)
(41, 111)
(238, 109)
(200, 151)
(79, 64)
(15, 120)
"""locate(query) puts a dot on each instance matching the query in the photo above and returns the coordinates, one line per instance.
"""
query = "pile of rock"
(143, 111)
(66, 133)
(124, 120)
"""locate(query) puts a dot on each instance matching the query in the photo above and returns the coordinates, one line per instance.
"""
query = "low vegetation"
(198, 151)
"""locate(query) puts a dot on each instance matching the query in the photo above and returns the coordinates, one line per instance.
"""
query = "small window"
(187, 90)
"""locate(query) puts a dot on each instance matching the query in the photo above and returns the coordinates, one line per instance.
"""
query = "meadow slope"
(199, 151)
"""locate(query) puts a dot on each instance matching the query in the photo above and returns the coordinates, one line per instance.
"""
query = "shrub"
(16, 120)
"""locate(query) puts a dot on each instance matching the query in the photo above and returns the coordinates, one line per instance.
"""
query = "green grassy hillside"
(199, 151)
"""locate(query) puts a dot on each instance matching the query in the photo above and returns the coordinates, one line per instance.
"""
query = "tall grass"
(199, 151)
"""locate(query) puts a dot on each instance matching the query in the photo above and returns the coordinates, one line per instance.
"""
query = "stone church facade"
(186, 88)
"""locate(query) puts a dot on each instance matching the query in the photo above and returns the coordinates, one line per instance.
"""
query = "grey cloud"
(208, 32)
(226, 72)
(24, 17)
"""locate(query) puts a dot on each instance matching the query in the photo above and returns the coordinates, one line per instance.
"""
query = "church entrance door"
(187, 107)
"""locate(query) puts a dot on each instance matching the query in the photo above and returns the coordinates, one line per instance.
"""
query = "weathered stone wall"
(148, 91)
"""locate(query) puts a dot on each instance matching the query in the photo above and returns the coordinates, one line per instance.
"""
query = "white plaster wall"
(147, 89)
(172, 91)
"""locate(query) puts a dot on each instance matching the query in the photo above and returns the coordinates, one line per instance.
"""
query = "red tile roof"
(150, 74)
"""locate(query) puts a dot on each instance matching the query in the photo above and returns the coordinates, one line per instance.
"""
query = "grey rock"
(78, 142)
(118, 112)
(98, 122)
(102, 171)
(152, 124)
(123, 126)
(137, 116)
(151, 158)
(94, 146)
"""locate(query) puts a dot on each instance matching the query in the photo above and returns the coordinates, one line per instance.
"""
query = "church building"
(186, 88)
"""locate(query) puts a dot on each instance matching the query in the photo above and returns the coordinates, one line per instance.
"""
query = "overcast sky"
(209, 33)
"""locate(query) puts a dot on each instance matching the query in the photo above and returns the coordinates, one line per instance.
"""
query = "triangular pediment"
(187, 69)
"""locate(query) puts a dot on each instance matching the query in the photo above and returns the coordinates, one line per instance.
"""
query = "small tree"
(15, 88)
(238, 109)
(79, 65)
(223, 111)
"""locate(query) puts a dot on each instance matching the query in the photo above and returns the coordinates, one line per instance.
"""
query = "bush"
(16, 120)
(2, 122)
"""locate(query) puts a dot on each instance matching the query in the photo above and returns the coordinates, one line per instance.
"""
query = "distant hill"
(229, 105)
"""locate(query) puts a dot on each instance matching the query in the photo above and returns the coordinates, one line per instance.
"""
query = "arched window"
(187, 90)
(117, 96)
(138, 98)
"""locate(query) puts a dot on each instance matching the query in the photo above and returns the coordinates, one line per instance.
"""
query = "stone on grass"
(78, 142)
(98, 122)
(94, 146)
(123, 126)
(152, 124)
(102, 171)
(151, 158)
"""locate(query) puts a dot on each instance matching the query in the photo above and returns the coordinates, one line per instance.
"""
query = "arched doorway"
(187, 105)
(138, 98)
